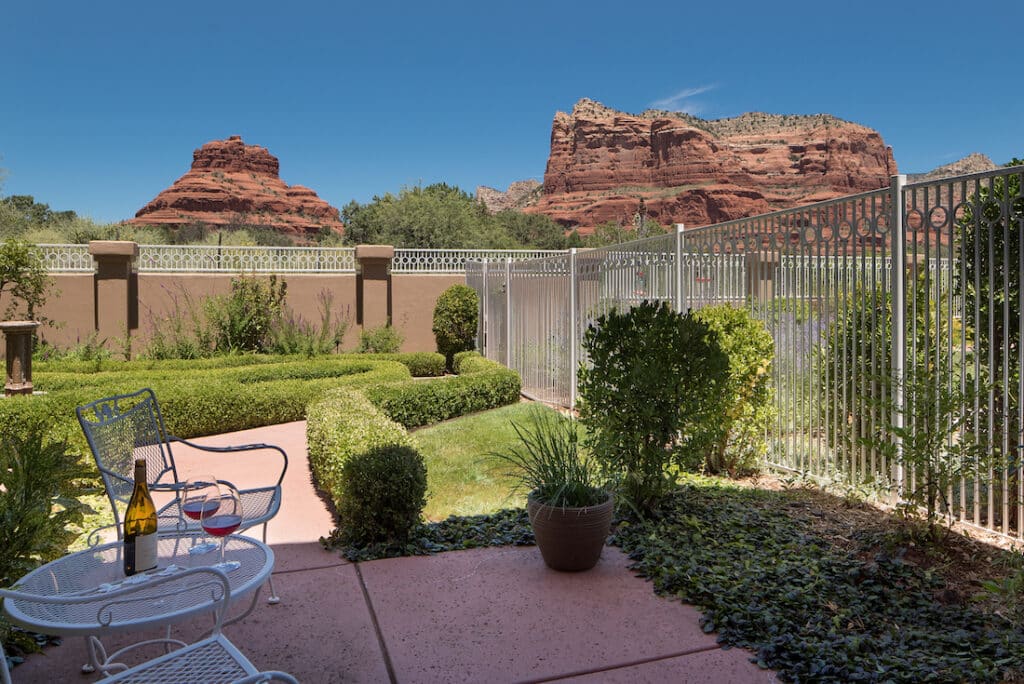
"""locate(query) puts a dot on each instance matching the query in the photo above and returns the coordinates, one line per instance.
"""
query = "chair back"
(119, 430)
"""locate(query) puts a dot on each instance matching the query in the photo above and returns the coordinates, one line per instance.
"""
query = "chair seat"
(213, 660)
(258, 506)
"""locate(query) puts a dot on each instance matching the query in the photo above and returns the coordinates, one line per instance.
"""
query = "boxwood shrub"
(215, 400)
(420, 364)
(481, 385)
(383, 493)
(341, 424)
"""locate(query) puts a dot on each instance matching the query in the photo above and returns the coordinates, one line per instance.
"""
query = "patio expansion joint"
(376, 626)
(621, 666)
(291, 571)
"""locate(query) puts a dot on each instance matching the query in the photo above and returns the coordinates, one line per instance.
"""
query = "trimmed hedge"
(471, 362)
(481, 385)
(342, 424)
(420, 364)
(384, 493)
(215, 400)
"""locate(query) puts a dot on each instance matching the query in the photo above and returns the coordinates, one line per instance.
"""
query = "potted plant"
(570, 513)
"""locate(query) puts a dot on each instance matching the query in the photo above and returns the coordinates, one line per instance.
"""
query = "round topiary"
(455, 321)
(382, 494)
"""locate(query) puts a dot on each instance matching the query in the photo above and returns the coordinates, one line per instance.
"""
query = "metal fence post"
(899, 277)
(482, 326)
(508, 312)
(573, 328)
(681, 294)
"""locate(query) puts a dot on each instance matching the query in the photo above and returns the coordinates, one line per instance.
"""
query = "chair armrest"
(96, 537)
(237, 448)
(166, 486)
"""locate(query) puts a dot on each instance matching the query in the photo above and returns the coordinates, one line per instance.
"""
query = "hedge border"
(482, 384)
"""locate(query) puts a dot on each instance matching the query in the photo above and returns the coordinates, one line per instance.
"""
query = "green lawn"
(461, 478)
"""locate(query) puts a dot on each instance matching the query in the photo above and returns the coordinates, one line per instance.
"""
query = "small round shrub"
(380, 340)
(383, 494)
(749, 406)
(455, 321)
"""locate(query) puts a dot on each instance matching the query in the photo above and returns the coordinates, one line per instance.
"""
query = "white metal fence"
(227, 259)
(861, 294)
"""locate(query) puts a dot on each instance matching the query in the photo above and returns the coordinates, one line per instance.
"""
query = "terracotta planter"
(570, 539)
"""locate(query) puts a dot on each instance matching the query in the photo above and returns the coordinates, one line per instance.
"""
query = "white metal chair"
(124, 427)
(213, 659)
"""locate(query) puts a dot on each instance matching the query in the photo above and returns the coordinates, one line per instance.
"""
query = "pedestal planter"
(570, 539)
(18, 339)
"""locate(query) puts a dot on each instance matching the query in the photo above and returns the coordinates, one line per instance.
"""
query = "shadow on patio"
(485, 615)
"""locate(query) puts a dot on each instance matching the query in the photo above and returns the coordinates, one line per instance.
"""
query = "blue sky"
(102, 104)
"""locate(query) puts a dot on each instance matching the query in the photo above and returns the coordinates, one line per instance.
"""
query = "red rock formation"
(231, 182)
(697, 172)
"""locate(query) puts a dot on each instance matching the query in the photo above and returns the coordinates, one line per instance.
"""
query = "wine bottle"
(140, 526)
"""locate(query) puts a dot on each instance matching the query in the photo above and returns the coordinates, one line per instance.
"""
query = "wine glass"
(200, 492)
(221, 515)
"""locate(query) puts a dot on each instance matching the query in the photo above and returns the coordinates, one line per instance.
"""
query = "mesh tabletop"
(91, 580)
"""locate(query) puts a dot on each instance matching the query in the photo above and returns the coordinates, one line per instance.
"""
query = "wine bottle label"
(142, 550)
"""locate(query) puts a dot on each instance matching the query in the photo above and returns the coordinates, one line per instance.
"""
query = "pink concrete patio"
(486, 615)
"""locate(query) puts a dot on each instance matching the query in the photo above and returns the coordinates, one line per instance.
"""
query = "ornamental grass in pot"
(570, 513)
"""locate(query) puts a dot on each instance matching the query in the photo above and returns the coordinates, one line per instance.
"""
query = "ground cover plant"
(822, 595)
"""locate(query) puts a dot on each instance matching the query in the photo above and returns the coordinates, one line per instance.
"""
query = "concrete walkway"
(485, 615)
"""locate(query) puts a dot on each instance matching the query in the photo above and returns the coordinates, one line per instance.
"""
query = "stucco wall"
(73, 309)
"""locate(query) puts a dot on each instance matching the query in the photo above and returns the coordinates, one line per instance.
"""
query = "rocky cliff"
(697, 172)
(972, 163)
(520, 194)
(231, 182)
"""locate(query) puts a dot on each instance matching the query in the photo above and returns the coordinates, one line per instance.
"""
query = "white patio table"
(98, 571)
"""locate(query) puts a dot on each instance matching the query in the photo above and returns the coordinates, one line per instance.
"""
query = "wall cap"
(374, 252)
(102, 248)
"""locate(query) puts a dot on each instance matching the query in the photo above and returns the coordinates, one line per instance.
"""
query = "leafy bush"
(38, 486)
(340, 425)
(749, 409)
(854, 364)
(23, 279)
(547, 464)
(482, 385)
(653, 397)
(455, 321)
(184, 333)
(290, 334)
(382, 494)
(243, 319)
(380, 340)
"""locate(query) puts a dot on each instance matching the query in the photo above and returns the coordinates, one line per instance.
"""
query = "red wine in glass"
(220, 515)
(198, 495)
(194, 508)
(221, 525)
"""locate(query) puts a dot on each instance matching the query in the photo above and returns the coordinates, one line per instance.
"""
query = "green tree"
(455, 321)
(535, 231)
(614, 233)
(989, 237)
(23, 280)
(435, 216)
